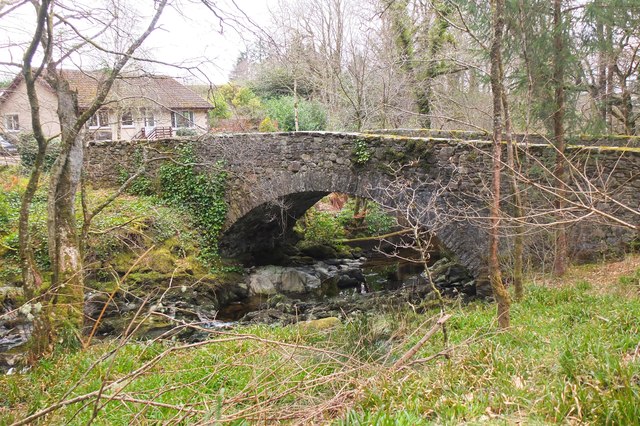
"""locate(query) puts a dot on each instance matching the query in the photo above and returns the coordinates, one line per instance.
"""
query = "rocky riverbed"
(306, 291)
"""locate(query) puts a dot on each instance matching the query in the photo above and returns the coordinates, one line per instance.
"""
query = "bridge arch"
(262, 214)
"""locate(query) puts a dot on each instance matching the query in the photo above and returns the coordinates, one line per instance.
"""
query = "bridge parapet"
(622, 141)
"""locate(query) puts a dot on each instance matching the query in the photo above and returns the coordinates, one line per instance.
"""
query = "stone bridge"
(440, 182)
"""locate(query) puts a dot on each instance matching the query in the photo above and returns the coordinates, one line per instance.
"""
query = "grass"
(571, 356)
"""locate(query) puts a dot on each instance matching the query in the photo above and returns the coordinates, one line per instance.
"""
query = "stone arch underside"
(263, 214)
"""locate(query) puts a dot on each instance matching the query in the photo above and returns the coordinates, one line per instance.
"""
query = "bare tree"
(502, 296)
(562, 248)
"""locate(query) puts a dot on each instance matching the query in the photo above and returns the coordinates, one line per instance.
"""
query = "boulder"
(297, 281)
(269, 280)
(263, 280)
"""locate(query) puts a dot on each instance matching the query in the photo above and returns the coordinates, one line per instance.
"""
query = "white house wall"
(18, 103)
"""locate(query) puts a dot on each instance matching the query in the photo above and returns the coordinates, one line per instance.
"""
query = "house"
(138, 107)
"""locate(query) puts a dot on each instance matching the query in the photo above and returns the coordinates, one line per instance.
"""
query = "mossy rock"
(159, 260)
(344, 252)
(302, 260)
(320, 251)
(355, 250)
(122, 261)
(141, 280)
(190, 265)
(393, 155)
(329, 287)
(102, 286)
(179, 247)
(151, 327)
(319, 324)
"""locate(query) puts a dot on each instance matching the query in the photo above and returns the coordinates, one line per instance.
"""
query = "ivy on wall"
(200, 194)
(361, 153)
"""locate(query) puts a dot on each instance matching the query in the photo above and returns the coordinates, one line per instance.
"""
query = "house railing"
(140, 135)
(160, 133)
(156, 133)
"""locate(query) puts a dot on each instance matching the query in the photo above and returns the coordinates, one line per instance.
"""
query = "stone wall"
(276, 177)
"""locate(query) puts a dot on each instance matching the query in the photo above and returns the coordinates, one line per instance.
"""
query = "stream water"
(372, 275)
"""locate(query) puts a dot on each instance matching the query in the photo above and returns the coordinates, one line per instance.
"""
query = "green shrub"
(375, 221)
(7, 213)
(220, 108)
(142, 185)
(361, 153)
(319, 228)
(311, 115)
(267, 125)
(244, 102)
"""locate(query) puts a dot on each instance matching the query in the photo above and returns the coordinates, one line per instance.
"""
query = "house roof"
(7, 91)
(161, 90)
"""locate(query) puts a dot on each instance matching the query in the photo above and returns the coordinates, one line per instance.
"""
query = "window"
(100, 119)
(148, 118)
(182, 119)
(127, 119)
(11, 122)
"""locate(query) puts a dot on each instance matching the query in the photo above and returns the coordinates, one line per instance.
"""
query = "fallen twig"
(411, 352)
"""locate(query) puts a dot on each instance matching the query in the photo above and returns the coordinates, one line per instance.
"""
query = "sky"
(188, 34)
(195, 35)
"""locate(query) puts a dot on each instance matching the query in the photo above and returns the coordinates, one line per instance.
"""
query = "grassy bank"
(571, 356)
(146, 237)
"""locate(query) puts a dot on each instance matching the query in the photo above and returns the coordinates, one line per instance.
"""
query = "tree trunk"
(499, 291)
(562, 246)
(62, 304)
(423, 98)
(518, 240)
(627, 107)
(67, 282)
(601, 86)
(295, 104)
(611, 68)
(421, 78)
(31, 279)
(41, 336)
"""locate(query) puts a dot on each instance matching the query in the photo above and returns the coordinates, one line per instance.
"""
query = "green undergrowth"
(571, 356)
(12, 186)
(328, 227)
(147, 237)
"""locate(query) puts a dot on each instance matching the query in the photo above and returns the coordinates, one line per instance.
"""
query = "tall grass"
(571, 356)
